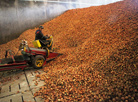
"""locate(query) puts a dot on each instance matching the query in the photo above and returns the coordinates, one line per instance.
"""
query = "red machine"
(35, 57)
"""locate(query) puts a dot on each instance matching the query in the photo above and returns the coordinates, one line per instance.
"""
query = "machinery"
(36, 57)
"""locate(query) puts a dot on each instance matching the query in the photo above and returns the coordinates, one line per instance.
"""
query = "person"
(39, 35)
(43, 39)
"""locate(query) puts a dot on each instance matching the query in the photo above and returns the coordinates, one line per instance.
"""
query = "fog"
(17, 16)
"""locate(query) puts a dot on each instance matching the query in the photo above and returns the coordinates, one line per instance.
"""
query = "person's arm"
(42, 36)
(46, 37)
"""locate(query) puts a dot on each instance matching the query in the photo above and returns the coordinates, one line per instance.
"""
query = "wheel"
(38, 61)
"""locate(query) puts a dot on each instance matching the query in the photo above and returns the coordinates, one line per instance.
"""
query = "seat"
(43, 44)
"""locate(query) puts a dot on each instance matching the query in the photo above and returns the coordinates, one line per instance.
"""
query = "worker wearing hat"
(39, 36)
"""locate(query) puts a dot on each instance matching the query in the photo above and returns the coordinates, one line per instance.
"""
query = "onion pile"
(100, 54)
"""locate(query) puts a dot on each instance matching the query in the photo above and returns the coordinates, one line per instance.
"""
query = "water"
(17, 16)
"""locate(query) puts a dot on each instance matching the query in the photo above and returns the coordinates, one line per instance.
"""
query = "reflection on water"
(19, 15)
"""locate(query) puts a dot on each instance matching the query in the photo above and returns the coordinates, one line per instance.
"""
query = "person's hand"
(47, 36)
